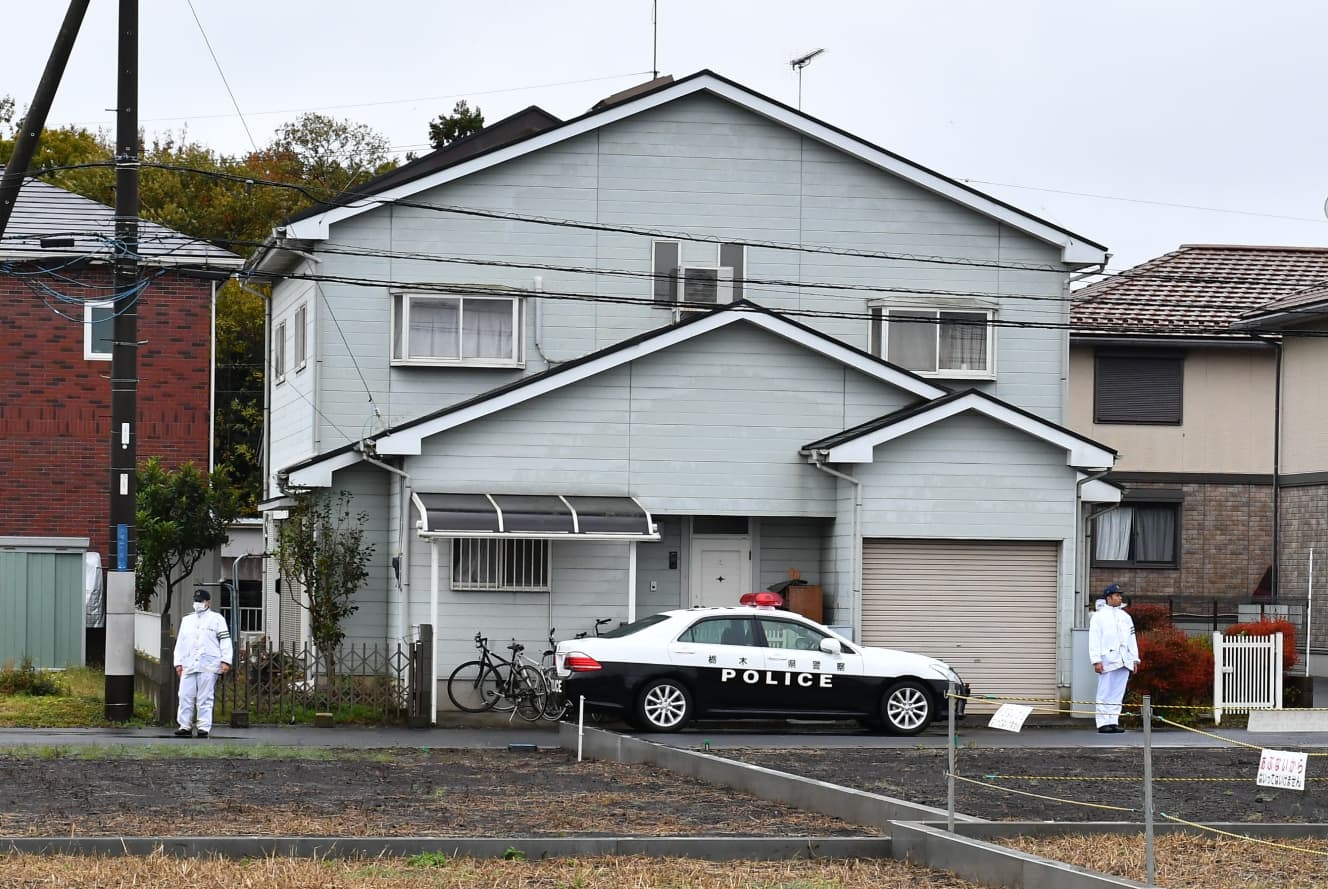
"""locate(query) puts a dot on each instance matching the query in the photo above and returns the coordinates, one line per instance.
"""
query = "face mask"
(200, 607)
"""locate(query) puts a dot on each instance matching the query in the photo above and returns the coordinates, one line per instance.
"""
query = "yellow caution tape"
(1232, 741)
(1054, 799)
(1241, 836)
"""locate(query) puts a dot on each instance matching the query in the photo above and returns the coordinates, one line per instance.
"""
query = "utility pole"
(34, 121)
(124, 380)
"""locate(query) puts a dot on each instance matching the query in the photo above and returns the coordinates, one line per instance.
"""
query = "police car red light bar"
(581, 663)
(762, 600)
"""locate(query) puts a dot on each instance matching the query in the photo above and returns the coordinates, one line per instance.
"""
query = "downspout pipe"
(817, 459)
(403, 579)
(1276, 567)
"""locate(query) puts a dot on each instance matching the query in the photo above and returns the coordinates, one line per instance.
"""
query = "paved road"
(717, 736)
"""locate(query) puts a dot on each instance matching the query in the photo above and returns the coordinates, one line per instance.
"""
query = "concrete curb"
(530, 848)
(988, 864)
(854, 806)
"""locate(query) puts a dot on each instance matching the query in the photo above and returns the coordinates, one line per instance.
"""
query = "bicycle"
(480, 685)
(599, 623)
(555, 705)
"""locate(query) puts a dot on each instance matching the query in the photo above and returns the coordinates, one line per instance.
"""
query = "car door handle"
(684, 651)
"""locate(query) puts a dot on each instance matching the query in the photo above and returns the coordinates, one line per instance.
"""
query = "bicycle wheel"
(555, 704)
(473, 687)
(529, 693)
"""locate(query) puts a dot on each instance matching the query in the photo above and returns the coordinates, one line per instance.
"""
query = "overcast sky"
(1099, 116)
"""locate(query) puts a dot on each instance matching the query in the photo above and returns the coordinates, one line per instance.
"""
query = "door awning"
(533, 516)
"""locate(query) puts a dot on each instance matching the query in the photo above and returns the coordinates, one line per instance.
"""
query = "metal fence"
(1201, 616)
(291, 683)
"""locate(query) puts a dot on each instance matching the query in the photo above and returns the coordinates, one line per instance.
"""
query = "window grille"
(513, 565)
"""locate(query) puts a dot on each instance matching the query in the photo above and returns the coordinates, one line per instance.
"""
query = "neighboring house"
(1301, 320)
(55, 435)
(663, 353)
(1163, 369)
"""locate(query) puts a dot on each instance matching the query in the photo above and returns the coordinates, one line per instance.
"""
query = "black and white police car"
(661, 672)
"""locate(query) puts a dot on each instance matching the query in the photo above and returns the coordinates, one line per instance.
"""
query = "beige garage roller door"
(988, 608)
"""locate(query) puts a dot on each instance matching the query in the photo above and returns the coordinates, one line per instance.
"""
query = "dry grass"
(1193, 862)
(437, 872)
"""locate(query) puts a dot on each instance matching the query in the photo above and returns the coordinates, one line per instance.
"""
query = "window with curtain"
(1141, 534)
(474, 331)
(509, 565)
(934, 341)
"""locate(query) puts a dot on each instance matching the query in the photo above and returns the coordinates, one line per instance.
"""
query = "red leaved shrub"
(1175, 669)
(1147, 617)
(1266, 627)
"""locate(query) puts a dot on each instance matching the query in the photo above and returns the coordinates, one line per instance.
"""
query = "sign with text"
(1281, 768)
(1010, 717)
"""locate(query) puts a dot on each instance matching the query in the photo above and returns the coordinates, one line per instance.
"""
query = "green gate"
(41, 607)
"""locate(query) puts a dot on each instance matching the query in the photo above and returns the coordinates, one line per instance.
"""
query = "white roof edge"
(1073, 250)
(1079, 453)
(410, 440)
(319, 473)
(1098, 491)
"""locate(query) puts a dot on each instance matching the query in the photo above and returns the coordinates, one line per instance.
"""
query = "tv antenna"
(802, 62)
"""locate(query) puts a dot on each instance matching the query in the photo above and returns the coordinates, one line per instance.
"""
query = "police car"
(665, 670)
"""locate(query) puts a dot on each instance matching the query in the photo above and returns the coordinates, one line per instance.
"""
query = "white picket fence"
(1247, 673)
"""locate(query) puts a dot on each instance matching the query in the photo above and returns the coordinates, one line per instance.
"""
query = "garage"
(986, 607)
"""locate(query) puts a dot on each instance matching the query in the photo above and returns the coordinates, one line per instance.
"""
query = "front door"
(721, 569)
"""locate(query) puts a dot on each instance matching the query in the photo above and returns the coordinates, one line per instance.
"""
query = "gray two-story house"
(669, 351)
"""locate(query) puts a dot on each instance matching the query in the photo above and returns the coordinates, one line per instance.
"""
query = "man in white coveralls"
(1115, 655)
(202, 653)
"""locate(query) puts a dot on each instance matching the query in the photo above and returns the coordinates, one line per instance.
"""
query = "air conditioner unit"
(702, 287)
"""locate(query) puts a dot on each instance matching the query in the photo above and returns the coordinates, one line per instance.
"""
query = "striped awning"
(533, 516)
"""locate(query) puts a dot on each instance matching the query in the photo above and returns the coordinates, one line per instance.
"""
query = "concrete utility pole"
(34, 121)
(124, 380)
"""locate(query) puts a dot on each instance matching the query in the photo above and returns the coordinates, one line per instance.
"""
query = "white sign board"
(1282, 768)
(1010, 717)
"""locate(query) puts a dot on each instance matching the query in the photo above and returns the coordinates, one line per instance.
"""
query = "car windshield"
(634, 627)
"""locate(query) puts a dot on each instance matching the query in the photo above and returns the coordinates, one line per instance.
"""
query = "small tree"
(321, 546)
(181, 515)
(447, 128)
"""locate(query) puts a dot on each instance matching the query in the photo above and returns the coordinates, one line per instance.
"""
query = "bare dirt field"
(1203, 785)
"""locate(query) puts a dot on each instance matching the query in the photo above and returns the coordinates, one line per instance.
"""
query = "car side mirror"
(831, 646)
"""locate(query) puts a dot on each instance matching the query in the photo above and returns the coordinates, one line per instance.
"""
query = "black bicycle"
(492, 682)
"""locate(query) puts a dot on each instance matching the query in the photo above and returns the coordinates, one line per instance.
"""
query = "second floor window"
(301, 337)
(943, 342)
(477, 331)
(696, 277)
(279, 353)
(1140, 387)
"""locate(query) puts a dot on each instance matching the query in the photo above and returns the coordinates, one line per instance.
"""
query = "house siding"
(55, 405)
(1303, 520)
(699, 165)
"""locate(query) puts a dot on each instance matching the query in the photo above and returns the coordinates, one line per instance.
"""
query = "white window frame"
(400, 325)
(725, 291)
(279, 354)
(531, 547)
(89, 341)
(879, 335)
(301, 333)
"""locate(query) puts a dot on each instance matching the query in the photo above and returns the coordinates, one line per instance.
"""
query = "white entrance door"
(721, 569)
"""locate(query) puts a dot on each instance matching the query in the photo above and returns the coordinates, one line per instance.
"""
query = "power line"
(225, 82)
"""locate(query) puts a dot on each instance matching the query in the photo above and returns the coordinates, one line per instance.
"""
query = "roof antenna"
(654, 43)
(802, 62)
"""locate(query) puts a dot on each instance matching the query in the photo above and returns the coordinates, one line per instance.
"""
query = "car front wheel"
(906, 708)
(664, 705)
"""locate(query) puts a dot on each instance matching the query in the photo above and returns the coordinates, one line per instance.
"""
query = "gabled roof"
(1075, 249)
(74, 226)
(857, 445)
(1310, 304)
(1197, 291)
(408, 438)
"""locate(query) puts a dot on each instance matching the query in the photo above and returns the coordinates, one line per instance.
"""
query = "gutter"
(407, 494)
(817, 460)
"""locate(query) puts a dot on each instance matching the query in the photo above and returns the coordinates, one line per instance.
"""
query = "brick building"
(55, 339)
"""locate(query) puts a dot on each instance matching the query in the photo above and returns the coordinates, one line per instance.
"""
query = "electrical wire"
(230, 92)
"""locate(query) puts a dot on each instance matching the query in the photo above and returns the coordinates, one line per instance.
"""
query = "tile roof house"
(1184, 365)
(56, 282)
(661, 353)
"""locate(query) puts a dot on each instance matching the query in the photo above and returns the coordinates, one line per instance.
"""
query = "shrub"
(25, 679)
(1266, 627)
(1175, 670)
(1149, 617)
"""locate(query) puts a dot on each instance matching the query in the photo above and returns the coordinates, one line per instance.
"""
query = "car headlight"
(945, 672)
